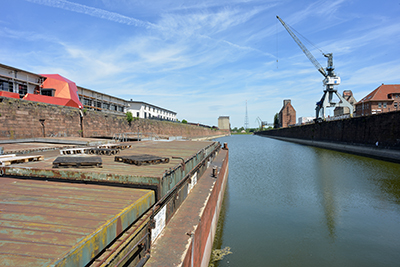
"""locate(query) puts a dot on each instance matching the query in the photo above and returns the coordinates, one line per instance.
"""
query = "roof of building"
(287, 102)
(141, 102)
(100, 93)
(9, 94)
(12, 68)
(381, 93)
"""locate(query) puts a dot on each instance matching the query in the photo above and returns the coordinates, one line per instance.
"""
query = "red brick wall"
(21, 119)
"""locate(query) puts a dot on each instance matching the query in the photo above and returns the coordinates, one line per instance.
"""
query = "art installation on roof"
(64, 89)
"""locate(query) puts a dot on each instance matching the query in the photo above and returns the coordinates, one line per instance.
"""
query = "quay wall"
(383, 128)
(27, 119)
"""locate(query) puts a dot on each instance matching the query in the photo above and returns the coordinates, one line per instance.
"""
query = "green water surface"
(293, 205)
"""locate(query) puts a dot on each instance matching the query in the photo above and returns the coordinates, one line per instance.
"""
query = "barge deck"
(110, 216)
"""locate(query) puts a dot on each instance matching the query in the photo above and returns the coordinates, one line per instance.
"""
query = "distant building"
(58, 90)
(385, 98)
(348, 95)
(305, 120)
(145, 110)
(287, 115)
(223, 123)
(102, 102)
(51, 89)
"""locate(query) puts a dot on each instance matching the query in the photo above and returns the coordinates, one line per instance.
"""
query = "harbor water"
(292, 205)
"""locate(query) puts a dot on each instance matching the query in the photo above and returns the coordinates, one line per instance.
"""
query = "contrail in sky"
(94, 12)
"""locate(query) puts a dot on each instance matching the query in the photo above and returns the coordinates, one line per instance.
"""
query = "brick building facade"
(385, 98)
(287, 115)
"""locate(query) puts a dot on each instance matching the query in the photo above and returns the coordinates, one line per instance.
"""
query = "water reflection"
(326, 174)
(293, 205)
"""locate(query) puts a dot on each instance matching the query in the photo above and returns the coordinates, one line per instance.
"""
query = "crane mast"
(330, 80)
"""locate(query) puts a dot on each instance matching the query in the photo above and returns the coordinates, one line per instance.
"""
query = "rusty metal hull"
(187, 239)
(59, 224)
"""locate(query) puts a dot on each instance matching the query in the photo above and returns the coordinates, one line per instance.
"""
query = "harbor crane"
(331, 79)
(262, 123)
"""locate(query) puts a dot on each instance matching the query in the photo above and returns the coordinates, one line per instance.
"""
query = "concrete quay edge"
(377, 153)
(206, 138)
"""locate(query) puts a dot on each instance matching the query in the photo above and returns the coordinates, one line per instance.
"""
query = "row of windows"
(6, 86)
(384, 105)
(22, 89)
(380, 105)
(148, 115)
(162, 112)
(99, 105)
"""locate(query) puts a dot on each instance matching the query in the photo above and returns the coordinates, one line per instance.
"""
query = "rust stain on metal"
(47, 221)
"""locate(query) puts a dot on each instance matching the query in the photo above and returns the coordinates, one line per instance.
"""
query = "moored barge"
(110, 211)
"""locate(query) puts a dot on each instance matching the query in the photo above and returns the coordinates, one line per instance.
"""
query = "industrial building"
(145, 110)
(58, 90)
(94, 100)
(287, 115)
(305, 120)
(343, 110)
(385, 98)
(223, 123)
(16, 83)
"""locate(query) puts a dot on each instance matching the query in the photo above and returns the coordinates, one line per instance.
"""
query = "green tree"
(184, 121)
(129, 117)
(276, 121)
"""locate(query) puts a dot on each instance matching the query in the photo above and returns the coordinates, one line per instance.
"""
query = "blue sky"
(204, 59)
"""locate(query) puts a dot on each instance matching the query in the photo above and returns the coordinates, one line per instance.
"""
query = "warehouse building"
(16, 83)
(58, 90)
(145, 110)
(385, 98)
(94, 100)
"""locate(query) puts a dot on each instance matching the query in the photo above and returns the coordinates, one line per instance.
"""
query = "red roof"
(64, 88)
(51, 100)
(9, 94)
(381, 93)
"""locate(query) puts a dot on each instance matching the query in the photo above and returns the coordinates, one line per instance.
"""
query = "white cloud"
(94, 12)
